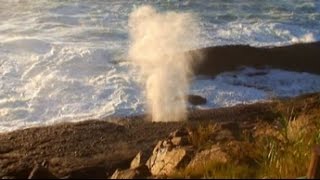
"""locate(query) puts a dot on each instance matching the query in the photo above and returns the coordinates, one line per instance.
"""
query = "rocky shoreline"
(135, 147)
(97, 148)
(300, 57)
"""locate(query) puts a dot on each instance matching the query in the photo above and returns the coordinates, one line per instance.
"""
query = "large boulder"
(137, 169)
(303, 57)
(214, 154)
(166, 158)
(139, 160)
(170, 154)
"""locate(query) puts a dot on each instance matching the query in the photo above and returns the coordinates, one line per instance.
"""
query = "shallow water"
(65, 60)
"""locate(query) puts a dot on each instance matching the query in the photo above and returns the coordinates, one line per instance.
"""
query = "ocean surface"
(65, 60)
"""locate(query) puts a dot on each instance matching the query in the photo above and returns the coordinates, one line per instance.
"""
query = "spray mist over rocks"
(158, 45)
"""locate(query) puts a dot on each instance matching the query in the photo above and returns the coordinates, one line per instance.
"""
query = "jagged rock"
(180, 132)
(137, 173)
(167, 143)
(143, 171)
(137, 169)
(196, 99)
(215, 154)
(123, 174)
(164, 160)
(41, 172)
(139, 160)
(180, 141)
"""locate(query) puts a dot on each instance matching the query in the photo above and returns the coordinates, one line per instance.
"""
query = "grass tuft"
(284, 153)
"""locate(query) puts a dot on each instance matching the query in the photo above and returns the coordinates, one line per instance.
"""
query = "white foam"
(63, 60)
(250, 85)
(309, 37)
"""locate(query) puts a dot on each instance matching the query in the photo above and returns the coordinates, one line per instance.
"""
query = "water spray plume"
(158, 45)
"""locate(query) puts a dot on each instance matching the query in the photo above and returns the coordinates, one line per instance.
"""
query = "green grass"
(285, 153)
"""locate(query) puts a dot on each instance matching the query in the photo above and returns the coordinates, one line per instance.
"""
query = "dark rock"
(179, 133)
(8, 177)
(91, 172)
(21, 170)
(143, 171)
(180, 141)
(41, 172)
(196, 100)
(303, 57)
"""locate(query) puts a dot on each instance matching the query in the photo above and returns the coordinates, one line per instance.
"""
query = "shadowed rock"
(9, 177)
(139, 172)
(123, 174)
(180, 141)
(302, 57)
(137, 169)
(139, 160)
(41, 172)
(196, 100)
(180, 132)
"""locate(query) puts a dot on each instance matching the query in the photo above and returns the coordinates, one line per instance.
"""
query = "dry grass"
(201, 136)
(289, 158)
(285, 153)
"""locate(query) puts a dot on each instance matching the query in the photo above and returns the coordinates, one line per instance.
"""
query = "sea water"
(65, 60)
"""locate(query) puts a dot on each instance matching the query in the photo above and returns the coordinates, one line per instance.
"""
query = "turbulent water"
(66, 60)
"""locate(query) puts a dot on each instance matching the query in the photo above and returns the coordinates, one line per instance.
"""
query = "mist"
(158, 43)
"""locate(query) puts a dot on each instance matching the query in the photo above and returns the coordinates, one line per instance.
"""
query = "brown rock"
(213, 154)
(137, 173)
(180, 132)
(180, 141)
(123, 174)
(159, 145)
(196, 99)
(163, 161)
(139, 160)
(167, 143)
